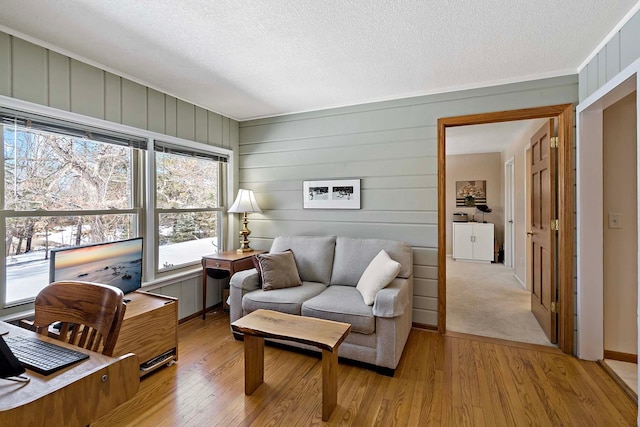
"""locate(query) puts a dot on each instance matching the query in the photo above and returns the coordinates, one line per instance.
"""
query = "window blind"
(31, 121)
(165, 147)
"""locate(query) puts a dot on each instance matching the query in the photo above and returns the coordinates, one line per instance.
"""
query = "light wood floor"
(441, 381)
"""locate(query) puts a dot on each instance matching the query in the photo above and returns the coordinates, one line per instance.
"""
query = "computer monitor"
(116, 263)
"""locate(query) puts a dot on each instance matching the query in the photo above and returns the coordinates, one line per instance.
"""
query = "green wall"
(622, 50)
(392, 147)
(33, 73)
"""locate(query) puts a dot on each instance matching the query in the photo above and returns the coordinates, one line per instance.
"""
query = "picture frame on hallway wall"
(471, 193)
(331, 194)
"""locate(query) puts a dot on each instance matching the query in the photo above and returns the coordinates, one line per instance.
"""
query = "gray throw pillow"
(256, 265)
(278, 271)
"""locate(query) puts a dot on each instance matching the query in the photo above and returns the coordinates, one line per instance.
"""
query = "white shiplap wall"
(392, 147)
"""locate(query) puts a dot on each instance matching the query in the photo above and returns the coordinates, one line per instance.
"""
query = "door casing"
(509, 209)
(566, 196)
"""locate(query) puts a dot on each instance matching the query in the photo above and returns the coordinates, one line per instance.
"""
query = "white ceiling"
(248, 59)
(488, 138)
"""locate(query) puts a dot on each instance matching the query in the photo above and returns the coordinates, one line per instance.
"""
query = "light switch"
(615, 220)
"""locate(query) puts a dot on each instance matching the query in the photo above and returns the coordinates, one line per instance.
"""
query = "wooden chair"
(90, 314)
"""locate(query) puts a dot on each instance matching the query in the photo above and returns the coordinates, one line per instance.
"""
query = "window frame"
(151, 162)
(143, 194)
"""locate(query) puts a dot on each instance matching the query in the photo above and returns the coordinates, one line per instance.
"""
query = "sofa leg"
(387, 372)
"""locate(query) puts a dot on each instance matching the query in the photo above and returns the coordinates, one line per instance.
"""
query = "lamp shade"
(245, 202)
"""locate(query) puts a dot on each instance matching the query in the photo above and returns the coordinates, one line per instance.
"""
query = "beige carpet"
(486, 300)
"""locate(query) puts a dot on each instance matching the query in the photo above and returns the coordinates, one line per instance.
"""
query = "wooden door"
(542, 238)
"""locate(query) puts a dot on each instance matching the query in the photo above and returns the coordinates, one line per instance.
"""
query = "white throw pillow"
(380, 272)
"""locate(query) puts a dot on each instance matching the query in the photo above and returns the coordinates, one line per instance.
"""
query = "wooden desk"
(230, 261)
(74, 396)
(324, 334)
(150, 330)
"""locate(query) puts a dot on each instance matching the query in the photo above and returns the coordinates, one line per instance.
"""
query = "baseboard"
(424, 326)
(199, 313)
(616, 378)
(622, 357)
(520, 281)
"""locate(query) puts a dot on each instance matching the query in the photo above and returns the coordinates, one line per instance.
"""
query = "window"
(68, 182)
(60, 190)
(188, 212)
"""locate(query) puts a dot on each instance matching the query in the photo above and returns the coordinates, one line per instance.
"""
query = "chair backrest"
(90, 314)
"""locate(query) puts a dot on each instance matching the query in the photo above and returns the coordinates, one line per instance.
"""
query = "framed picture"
(471, 193)
(334, 194)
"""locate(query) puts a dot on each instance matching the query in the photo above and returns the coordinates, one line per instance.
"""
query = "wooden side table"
(327, 335)
(230, 261)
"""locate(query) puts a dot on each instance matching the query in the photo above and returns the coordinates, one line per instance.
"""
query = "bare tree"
(183, 183)
(52, 172)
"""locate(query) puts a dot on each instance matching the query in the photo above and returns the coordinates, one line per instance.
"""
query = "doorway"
(564, 113)
(606, 303)
(590, 172)
(486, 296)
(620, 238)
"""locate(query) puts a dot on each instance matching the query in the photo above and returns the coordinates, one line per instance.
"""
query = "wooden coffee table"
(324, 334)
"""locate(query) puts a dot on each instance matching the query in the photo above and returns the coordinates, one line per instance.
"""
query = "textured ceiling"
(488, 138)
(248, 59)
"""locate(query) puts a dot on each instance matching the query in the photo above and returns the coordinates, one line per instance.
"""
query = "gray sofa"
(330, 268)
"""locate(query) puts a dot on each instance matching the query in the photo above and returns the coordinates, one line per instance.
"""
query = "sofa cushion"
(278, 270)
(313, 255)
(287, 300)
(380, 272)
(256, 265)
(342, 304)
(354, 255)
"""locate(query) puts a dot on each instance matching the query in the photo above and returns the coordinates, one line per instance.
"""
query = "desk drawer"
(218, 264)
(244, 264)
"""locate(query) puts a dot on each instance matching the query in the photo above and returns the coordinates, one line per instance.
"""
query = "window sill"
(170, 280)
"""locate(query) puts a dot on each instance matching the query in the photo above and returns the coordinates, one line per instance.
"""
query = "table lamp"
(245, 202)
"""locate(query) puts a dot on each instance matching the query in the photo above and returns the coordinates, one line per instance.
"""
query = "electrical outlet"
(615, 220)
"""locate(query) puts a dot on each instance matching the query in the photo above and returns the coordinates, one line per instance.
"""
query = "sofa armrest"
(241, 283)
(394, 299)
(247, 280)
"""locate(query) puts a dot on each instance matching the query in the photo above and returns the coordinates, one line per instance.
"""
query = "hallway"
(485, 299)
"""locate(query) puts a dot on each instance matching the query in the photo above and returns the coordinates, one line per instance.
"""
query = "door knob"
(510, 221)
(529, 233)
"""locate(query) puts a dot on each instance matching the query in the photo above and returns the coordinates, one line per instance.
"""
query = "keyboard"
(41, 356)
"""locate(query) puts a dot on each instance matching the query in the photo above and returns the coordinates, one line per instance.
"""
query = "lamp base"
(244, 233)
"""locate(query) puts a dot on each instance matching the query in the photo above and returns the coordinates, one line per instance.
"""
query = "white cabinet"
(473, 241)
